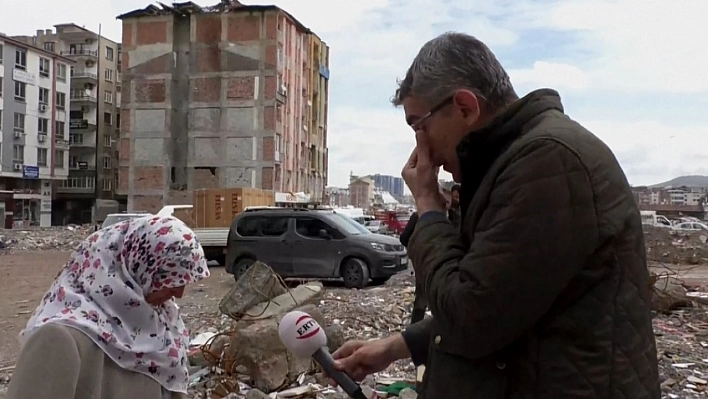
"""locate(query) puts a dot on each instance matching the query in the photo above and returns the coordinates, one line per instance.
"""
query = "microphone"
(304, 337)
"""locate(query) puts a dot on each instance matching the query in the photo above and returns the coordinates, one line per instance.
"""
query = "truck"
(650, 218)
(396, 220)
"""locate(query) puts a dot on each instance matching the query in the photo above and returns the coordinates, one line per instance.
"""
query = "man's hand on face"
(421, 177)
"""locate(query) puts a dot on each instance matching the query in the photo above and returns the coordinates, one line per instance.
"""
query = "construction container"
(218, 207)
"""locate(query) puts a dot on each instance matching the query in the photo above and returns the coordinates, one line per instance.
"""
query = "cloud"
(550, 74)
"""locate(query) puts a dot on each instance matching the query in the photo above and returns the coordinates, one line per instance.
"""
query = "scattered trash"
(63, 238)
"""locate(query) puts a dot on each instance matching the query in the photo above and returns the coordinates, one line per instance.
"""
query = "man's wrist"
(427, 204)
(396, 347)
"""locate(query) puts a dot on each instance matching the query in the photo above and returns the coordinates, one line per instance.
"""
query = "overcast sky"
(635, 72)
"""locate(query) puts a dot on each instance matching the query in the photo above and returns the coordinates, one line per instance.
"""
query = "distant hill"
(687, 181)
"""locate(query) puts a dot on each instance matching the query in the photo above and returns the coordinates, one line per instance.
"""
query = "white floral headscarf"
(101, 292)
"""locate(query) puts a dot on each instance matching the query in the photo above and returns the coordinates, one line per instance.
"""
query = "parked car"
(301, 243)
(114, 218)
(690, 226)
(377, 226)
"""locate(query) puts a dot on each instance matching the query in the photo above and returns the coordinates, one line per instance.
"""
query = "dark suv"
(312, 244)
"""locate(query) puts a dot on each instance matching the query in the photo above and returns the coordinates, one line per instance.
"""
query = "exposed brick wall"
(271, 55)
(268, 149)
(127, 36)
(271, 22)
(161, 64)
(150, 91)
(241, 88)
(126, 92)
(124, 149)
(147, 203)
(203, 178)
(149, 178)
(206, 89)
(243, 28)
(209, 59)
(123, 178)
(270, 87)
(267, 178)
(268, 117)
(208, 28)
(151, 32)
(125, 125)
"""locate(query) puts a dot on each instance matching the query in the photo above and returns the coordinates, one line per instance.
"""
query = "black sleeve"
(417, 338)
(408, 231)
(538, 230)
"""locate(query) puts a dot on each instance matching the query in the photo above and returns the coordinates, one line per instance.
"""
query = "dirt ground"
(25, 277)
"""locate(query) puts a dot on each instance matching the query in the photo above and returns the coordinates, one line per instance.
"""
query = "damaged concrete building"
(225, 96)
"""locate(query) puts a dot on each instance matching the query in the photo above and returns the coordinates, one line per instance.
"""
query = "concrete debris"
(239, 354)
(258, 285)
(679, 247)
(668, 294)
(63, 238)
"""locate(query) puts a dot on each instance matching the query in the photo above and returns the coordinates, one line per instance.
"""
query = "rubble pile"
(240, 354)
(680, 247)
(63, 238)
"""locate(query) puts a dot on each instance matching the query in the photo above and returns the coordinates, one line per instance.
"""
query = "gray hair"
(455, 61)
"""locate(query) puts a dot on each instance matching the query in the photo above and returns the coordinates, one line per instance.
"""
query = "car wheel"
(241, 267)
(355, 273)
(380, 280)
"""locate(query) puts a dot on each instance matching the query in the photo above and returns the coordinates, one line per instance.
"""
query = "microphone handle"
(325, 360)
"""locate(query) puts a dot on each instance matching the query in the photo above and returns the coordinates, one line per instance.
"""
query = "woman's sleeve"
(48, 367)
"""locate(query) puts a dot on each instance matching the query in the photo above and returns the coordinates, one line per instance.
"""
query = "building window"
(107, 140)
(20, 91)
(43, 95)
(59, 129)
(108, 75)
(61, 72)
(1, 50)
(107, 118)
(44, 67)
(19, 122)
(0, 79)
(106, 162)
(49, 46)
(108, 97)
(109, 53)
(107, 184)
(61, 100)
(59, 159)
(117, 121)
(41, 157)
(21, 59)
(78, 182)
(42, 125)
(76, 138)
(18, 153)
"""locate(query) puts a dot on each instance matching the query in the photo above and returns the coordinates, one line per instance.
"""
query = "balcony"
(81, 165)
(80, 53)
(82, 125)
(61, 144)
(81, 141)
(82, 97)
(83, 75)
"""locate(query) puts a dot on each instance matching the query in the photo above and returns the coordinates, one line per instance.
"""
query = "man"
(454, 214)
(544, 291)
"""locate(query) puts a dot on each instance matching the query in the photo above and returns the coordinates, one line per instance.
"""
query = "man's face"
(445, 125)
(455, 198)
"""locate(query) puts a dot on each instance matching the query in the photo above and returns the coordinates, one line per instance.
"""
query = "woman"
(109, 327)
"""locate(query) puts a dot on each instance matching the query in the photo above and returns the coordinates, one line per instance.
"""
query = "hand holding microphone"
(304, 337)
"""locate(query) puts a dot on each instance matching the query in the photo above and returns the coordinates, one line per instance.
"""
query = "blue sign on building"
(30, 172)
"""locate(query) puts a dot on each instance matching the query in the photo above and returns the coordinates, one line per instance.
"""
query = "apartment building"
(361, 191)
(392, 184)
(94, 118)
(226, 96)
(34, 148)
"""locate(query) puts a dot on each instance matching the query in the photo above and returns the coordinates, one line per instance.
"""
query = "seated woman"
(109, 328)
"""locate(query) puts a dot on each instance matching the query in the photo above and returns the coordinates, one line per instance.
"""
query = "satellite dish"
(88, 92)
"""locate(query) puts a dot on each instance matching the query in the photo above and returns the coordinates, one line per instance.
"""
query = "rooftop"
(20, 43)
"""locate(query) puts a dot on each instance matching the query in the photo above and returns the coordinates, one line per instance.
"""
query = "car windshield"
(346, 224)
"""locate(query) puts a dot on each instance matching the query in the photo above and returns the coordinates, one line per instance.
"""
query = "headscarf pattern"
(101, 292)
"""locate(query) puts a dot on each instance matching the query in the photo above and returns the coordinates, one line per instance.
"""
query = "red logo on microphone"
(306, 327)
